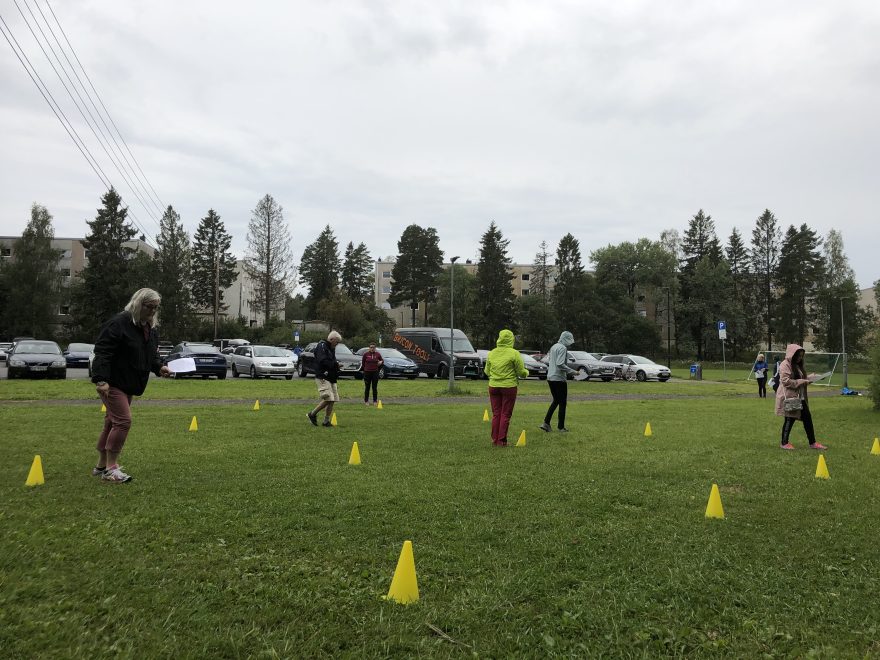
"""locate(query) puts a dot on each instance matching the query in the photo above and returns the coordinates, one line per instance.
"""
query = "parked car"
(36, 358)
(77, 355)
(227, 353)
(430, 348)
(534, 367)
(262, 362)
(165, 348)
(394, 363)
(351, 363)
(209, 361)
(587, 365)
(644, 367)
(5, 347)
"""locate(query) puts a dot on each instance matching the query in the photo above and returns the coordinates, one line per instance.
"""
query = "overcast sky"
(612, 121)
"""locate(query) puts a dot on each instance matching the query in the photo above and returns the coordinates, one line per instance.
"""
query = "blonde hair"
(140, 297)
(760, 356)
(334, 335)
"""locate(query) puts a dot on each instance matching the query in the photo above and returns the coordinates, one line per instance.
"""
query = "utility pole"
(216, 285)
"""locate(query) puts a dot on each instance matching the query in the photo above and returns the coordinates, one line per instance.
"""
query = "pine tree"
(358, 273)
(319, 269)
(542, 274)
(766, 237)
(494, 288)
(173, 266)
(212, 265)
(743, 322)
(268, 259)
(574, 295)
(701, 258)
(32, 280)
(104, 287)
(418, 265)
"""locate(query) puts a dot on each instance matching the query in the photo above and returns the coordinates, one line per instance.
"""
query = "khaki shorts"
(327, 390)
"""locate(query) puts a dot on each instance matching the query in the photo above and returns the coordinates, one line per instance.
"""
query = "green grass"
(254, 538)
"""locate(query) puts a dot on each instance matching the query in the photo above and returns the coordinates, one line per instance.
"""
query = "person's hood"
(505, 339)
(791, 350)
(566, 339)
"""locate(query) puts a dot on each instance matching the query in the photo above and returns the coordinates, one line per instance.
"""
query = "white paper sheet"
(182, 365)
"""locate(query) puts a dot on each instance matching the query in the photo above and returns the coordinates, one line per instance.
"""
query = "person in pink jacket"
(793, 382)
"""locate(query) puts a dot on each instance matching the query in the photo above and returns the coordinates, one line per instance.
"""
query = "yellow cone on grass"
(257, 404)
(486, 415)
(522, 439)
(355, 458)
(35, 476)
(333, 420)
(714, 509)
(648, 430)
(103, 408)
(404, 585)
(379, 405)
(194, 424)
(876, 448)
(822, 469)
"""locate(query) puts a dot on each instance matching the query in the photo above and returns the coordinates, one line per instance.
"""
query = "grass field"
(253, 537)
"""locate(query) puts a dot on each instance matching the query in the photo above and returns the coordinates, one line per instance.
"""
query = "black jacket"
(326, 366)
(123, 357)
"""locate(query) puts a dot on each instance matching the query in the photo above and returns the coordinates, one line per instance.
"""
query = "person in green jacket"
(504, 365)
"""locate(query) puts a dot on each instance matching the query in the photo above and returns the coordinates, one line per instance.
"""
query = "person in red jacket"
(371, 362)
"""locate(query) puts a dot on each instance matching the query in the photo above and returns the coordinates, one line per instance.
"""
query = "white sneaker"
(117, 476)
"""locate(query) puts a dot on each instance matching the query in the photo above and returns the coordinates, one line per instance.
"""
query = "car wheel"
(441, 372)
(641, 376)
(358, 375)
(383, 373)
(662, 380)
(606, 380)
(235, 373)
(410, 377)
(288, 377)
(301, 369)
(430, 374)
(542, 377)
(253, 372)
(221, 375)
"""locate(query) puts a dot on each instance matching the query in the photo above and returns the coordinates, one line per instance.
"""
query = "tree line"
(780, 287)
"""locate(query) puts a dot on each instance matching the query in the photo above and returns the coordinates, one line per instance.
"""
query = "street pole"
(843, 345)
(451, 322)
(668, 338)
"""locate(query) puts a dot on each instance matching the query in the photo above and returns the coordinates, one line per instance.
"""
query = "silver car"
(262, 362)
(644, 368)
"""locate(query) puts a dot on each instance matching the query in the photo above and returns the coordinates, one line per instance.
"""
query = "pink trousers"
(117, 421)
(502, 400)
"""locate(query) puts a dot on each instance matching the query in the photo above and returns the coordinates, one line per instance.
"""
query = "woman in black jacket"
(125, 353)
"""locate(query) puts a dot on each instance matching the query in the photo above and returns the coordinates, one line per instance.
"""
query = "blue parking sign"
(722, 325)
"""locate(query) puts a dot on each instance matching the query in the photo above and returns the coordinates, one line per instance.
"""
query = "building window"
(525, 292)
(525, 277)
(5, 252)
(386, 289)
(65, 272)
(65, 310)
(386, 274)
(65, 254)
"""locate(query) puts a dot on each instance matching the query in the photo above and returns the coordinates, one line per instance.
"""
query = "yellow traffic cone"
(822, 469)
(35, 476)
(404, 585)
(486, 415)
(194, 424)
(355, 458)
(714, 508)
(876, 448)
(333, 420)
(257, 404)
(103, 408)
(522, 439)
(648, 433)
(379, 405)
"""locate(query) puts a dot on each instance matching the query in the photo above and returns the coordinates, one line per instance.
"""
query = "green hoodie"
(504, 363)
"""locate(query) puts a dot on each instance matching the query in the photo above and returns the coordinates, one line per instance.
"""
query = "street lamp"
(668, 334)
(451, 322)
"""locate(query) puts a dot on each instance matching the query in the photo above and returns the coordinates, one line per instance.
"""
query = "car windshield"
(202, 348)
(582, 355)
(80, 348)
(269, 351)
(342, 349)
(391, 353)
(460, 344)
(38, 347)
(638, 359)
(528, 359)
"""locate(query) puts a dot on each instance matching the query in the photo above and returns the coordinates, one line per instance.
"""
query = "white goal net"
(814, 363)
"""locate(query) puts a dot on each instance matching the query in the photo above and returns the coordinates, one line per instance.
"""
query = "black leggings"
(762, 387)
(371, 378)
(559, 390)
(806, 418)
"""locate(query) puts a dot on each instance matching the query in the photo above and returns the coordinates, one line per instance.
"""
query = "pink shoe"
(818, 445)
(787, 445)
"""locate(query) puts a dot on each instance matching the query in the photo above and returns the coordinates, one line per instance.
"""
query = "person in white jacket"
(557, 375)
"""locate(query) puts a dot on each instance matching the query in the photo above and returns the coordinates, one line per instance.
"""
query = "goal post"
(814, 362)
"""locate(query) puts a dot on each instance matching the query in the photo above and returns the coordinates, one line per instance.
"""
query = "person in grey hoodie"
(557, 374)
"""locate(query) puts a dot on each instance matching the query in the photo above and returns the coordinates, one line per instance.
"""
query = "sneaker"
(116, 475)
(545, 427)
(563, 430)
(326, 422)
(98, 471)
(312, 418)
(787, 445)
(818, 445)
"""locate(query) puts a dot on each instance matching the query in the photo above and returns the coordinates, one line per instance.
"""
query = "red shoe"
(818, 445)
(787, 445)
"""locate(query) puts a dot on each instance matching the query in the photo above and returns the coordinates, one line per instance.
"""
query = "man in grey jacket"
(557, 374)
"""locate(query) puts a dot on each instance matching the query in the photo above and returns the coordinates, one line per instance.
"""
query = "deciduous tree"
(268, 259)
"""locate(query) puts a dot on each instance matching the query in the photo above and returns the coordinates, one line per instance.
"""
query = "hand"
(102, 388)
(164, 371)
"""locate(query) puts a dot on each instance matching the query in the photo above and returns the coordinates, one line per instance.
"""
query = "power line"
(98, 137)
